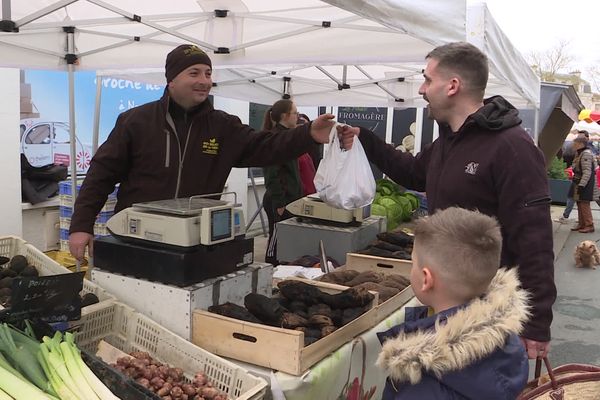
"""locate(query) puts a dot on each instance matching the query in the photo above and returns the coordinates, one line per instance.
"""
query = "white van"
(48, 142)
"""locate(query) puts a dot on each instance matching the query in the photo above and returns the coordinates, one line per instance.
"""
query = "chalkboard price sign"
(53, 298)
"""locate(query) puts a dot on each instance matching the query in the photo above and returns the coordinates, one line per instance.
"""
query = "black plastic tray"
(120, 385)
(171, 265)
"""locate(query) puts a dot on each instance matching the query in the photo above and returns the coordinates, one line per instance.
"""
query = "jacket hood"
(496, 114)
(472, 333)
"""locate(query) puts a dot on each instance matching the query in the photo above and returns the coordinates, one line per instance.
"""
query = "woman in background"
(282, 182)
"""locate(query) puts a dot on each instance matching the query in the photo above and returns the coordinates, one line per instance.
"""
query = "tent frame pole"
(72, 131)
(96, 132)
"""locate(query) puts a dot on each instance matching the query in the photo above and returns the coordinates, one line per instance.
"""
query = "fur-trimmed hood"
(469, 335)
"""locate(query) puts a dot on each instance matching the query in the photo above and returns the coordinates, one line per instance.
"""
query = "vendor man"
(179, 146)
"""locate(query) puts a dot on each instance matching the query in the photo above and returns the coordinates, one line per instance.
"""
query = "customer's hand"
(535, 349)
(77, 243)
(347, 133)
(320, 128)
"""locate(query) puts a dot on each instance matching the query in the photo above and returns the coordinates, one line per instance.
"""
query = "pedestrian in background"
(583, 187)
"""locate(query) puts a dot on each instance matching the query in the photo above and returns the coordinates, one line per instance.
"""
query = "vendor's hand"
(346, 134)
(320, 128)
(535, 349)
(77, 243)
(280, 211)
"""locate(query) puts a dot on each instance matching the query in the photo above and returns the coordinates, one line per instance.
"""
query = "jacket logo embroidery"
(210, 147)
(471, 168)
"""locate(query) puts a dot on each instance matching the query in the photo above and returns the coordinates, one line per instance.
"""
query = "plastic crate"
(102, 217)
(63, 245)
(66, 200)
(11, 246)
(64, 188)
(128, 330)
(100, 228)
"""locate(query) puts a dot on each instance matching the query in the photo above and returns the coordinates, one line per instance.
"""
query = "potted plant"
(558, 181)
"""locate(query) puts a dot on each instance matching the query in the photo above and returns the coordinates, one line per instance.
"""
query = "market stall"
(262, 51)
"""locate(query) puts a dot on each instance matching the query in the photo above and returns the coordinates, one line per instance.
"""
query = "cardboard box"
(276, 348)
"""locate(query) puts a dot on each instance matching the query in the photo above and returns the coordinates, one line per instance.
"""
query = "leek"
(57, 384)
(23, 359)
(19, 389)
(75, 372)
(93, 381)
(6, 365)
(56, 365)
(4, 396)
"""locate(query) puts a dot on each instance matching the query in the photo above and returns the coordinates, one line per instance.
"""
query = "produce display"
(13, 268)
(19, 267)
(395, 244)
(386, 285)
(391, 202)
(167, 382)
(302, 307)
(49, 370)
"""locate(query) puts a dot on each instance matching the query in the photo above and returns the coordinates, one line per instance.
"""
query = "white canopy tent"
(331, 52)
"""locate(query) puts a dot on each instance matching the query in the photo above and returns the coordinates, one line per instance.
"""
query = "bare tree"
(548, 63)
(593, 72)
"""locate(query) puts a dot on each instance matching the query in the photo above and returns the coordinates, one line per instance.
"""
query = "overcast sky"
(539, 25)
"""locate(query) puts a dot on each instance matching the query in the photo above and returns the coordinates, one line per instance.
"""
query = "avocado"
(6, 282)
(9, 272)
(18, 263)
(30, 270)
(88, 299)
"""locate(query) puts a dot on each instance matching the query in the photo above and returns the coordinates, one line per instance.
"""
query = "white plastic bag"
(344, 178)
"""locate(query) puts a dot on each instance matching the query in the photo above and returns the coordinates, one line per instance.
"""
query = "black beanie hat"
(182, 57)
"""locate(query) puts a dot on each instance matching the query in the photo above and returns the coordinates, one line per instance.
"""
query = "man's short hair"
(582, 138)
(466, 61)
(584, 133)
(464, 248)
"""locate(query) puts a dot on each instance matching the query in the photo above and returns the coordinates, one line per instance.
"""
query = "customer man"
(482, 160)
(179, 146)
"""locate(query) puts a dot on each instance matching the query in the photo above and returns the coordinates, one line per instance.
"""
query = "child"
(469, 348)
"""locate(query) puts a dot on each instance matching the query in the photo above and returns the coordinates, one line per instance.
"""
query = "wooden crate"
(363, 262)
(276, 348)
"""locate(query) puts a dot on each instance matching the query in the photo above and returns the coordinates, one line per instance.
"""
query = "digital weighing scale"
(185, 222)
(313, 207)
(176, 241)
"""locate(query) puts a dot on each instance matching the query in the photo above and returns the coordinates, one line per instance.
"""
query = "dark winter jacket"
(492, 165)
(282, 181)
(583, 187)
(154, 161)
(467, 352)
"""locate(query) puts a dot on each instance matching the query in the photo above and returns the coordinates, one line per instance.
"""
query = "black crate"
(170, 264)
(120, 385)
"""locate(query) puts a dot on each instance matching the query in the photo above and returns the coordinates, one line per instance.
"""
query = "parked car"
(48, 142)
